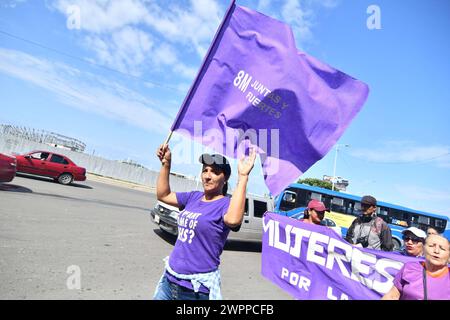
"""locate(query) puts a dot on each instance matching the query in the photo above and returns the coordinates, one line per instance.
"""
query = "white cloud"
(421, 193)
(84, 91)
(136, 36)
(125, 50)
(328, 3)
(424, 198)
(405, 152)
(263, 5)
(194, 26)
(126, 35)
(105, 16)
(301, 15)
(300, 18)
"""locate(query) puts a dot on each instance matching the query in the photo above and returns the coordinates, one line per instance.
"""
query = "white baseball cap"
(416, 231)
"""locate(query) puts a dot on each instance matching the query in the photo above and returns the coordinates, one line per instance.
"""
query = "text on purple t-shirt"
(202, 234)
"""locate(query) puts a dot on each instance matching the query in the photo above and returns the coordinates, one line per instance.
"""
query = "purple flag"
(313, 262)
(256, 88)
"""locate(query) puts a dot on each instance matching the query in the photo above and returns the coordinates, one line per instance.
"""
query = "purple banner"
(313, 262)
(256, 88)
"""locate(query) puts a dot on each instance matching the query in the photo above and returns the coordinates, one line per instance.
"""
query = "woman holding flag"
(206, 218)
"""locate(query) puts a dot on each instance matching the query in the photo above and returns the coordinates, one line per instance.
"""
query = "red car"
(7, 168)
(56, 166)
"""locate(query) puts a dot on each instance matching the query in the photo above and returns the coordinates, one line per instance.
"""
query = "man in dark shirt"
(368, 230)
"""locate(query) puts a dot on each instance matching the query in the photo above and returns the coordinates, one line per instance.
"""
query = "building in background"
(340, 184)
(42, 136)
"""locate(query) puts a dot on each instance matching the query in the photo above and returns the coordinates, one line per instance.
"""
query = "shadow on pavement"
(169, 238)
(75, 185)
(243, 245)
(82, 186)
(14, 188)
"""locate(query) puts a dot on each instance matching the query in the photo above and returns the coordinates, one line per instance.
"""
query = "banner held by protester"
(312, 262)
(256, 88)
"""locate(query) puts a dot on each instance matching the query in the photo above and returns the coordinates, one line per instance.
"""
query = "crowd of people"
(192, 269)
(427, 278)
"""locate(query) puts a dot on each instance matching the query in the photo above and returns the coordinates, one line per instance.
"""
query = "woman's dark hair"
(225, 188)
(306, 214)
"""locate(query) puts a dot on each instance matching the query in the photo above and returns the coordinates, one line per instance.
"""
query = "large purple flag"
(256, 88)
(313, 262)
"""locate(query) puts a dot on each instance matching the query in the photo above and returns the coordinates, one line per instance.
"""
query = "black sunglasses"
(415, 240)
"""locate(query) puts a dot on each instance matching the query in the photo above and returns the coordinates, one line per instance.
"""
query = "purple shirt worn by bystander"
(202, 234)
(409, 281)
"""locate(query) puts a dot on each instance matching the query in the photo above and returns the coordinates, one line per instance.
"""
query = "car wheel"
(65, 178)
(397, 245)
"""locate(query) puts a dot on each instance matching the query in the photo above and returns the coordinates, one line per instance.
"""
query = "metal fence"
(97, 165)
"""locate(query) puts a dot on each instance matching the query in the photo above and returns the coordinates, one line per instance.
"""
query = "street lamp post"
(335, 162)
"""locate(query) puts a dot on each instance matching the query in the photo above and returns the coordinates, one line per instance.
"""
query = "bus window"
(316, 196)
(259, 208)
(326, 201)
(414, 221)
(440, 225)
(246, 207)
(351, 208)
(424, 220)
(383, 214)
(302, 198)
(337, 205)
(399, 217)
(349, 205)
(381, 211)
(357, 209)
(288, 201)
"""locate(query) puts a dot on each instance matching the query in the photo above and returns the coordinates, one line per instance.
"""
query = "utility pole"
(335, 162)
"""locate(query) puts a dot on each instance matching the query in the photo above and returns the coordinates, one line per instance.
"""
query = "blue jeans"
(172, 291)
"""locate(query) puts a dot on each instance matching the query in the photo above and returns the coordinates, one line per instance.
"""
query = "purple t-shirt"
(202, 234)
(409, 281)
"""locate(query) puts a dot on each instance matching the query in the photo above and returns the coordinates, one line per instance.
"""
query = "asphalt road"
(93, 240)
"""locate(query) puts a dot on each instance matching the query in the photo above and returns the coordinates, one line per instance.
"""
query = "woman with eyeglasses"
(314, 213)
(414, 240)
(424, 280)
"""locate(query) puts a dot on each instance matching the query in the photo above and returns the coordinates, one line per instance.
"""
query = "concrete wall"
(97, 165)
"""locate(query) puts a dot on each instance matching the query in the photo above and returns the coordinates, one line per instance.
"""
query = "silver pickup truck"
(251, 229)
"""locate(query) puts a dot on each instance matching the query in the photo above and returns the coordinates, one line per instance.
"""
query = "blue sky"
(117, 82)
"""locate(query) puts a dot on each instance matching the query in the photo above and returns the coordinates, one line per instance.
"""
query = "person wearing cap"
(368, 230)
(314, 213)
(424, 280)
(414, 240)
(204, 222)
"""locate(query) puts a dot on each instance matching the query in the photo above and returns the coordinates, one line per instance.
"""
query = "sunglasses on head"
(413, 239)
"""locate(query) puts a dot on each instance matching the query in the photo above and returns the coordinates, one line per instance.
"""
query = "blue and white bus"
(345, 207)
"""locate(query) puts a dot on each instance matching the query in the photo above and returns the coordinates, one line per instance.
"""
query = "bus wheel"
(397, 245)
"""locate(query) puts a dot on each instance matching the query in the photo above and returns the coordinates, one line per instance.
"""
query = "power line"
(85, 60)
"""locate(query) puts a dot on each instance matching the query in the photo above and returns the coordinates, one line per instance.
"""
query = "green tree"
(316, 183)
